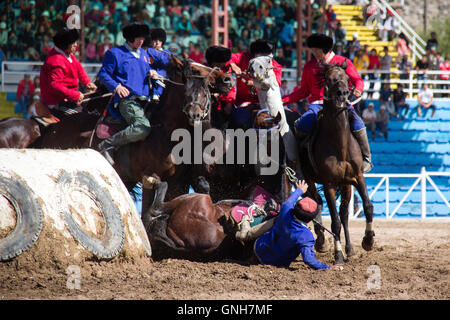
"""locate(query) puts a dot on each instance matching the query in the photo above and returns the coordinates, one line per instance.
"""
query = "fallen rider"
(280, 240)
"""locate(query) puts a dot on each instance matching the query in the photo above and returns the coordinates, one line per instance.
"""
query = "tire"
(29, 217)
(112, 240)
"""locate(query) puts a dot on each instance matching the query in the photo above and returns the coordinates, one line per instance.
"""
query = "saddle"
(44, 116)
(256, 207)
(109, 126)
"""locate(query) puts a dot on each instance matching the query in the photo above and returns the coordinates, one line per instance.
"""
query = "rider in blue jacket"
(288, 236)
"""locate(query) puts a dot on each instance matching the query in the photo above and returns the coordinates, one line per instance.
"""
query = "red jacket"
(243, 94)
(59, 78)
(21, 89)
(311, 86)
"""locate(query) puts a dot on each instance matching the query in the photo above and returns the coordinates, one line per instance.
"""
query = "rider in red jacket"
(219, 57)
(239, 63)
(312, 87)
(61, 72)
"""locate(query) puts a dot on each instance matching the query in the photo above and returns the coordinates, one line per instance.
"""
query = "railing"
(421, 178)
(13, 72)
(411, 84)
(417, 43)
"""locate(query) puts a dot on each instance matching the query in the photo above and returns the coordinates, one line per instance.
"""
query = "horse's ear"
(177, 61)
(344, 65)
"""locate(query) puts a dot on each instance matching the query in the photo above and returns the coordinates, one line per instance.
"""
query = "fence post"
(423, 185)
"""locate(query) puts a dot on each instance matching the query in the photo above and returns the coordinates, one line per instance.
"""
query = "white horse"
(269, 96)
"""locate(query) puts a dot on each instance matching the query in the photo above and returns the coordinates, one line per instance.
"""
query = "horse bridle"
(206, 82)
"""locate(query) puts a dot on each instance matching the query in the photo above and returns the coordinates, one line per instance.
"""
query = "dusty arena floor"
(411, 260)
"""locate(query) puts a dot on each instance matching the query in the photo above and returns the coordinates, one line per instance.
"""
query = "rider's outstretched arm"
(304, 90)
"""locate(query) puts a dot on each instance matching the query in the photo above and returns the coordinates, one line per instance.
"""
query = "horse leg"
(330, 195)
(321, 244)
(346, 193)
(368, 239)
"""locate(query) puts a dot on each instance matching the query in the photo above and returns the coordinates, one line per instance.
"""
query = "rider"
(312, 87)
(239, 62)
(219, 57)
(280, 240)
(159, 62)
(60, 74)
(125, 72)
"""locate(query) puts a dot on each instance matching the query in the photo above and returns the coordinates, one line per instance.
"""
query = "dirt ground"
(411, 260)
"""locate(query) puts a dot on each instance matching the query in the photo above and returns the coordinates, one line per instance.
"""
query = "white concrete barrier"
(66, 207)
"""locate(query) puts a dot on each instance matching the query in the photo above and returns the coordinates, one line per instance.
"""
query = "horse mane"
(325, 67)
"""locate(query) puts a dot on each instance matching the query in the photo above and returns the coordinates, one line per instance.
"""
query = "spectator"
(287, 34)
(361, 61)
(94, 14)
(340, 35)
(92, 52)
(445, 66)
(3, 35)
(355, 42)
(369, 10)
(432, 42)
(369, 117)
(37, 85)
(402, 45)
(422, 67)
(386, 63)
(25, 91)
(350, 53)
(14, 47)
(405, 66)
(374, 64)
(197, 55)
(400, 101)
(270, 31)
(386, 98)
(277, 12)
(31, 111)
(284, 88)
(425, 99)
(105, 46)
(183, 27)
(333, 22)
(281, 59)
(382, 122)
(338, 49)
(387, 31)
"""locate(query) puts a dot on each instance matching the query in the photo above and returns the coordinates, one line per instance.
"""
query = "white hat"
(355, 35)
(2, 25)
(45, 13)
(269, 20)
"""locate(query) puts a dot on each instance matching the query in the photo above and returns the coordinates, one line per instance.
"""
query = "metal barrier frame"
(422, 177)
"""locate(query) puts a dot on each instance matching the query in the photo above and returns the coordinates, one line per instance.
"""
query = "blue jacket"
(161, 58)
(120, 66)
(288, 238)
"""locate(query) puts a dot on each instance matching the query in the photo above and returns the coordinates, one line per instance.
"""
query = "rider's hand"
(250, 83)
(80, 98)
(122, 91)
(91, 86)
(235, 69)
(356, 93)
(301, 184)
(154, 74)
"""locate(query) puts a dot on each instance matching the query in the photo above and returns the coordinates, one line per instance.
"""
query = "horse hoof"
(349, 251)
(338, 257)
(367, 243)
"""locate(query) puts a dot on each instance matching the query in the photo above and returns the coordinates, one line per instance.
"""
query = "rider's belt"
(317, 102)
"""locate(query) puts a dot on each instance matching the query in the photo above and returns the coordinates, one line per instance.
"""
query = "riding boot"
(247, 234)
(361, 137)
(111, 144)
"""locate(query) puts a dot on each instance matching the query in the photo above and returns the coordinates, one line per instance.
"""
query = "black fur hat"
(134, 30)
(217, 54)
(262, 46)
(306, 209)
(321, 41)
(158, 34)
(65, 37)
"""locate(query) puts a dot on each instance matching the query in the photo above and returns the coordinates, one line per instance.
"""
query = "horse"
(332, 157)
(18, 132)
(192, 226)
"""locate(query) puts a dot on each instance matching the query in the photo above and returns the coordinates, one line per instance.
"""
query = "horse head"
(336, 85)
(217, 81)
(259, 68)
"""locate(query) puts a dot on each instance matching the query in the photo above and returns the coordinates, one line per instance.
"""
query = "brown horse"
(18, 132)
(336, 163)
(192, 227)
